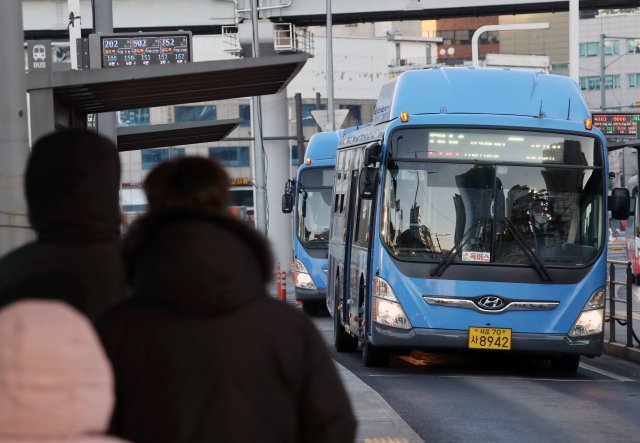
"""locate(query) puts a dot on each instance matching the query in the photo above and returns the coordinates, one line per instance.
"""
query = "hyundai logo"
(491, 302)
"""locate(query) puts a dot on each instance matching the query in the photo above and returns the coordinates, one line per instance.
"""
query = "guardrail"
(612, 318)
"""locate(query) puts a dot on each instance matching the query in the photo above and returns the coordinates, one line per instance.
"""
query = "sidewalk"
(377, 421)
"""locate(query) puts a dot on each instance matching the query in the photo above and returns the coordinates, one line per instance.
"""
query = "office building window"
(589, 49)
(592, 83)
(231, 157)
(294, 155)
(633, 46)
(133, 117)
(152, 157)
(307, 118)
(199, 113)
(634, 80)
(612, 82)
(244, 112)
(611, 47)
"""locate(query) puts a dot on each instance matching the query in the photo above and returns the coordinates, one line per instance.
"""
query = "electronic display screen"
(145, 49)
(494, 146)
(617, 124)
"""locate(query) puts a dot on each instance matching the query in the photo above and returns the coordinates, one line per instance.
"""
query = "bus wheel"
(310, 307)
(565, 363)
(373, 356)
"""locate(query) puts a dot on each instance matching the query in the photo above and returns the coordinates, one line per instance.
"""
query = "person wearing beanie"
(72, 184)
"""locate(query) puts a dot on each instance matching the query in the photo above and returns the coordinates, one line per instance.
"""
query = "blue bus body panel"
(481, 91)
(572, 298)
(316, 266)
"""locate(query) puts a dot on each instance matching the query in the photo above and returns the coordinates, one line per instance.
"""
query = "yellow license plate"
(489, 338)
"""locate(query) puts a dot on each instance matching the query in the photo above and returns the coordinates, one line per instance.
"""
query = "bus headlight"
(591, 319)
(386, 307)
(301, 277)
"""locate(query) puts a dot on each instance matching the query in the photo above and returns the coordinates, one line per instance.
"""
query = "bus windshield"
(314, 207)
(494, 196)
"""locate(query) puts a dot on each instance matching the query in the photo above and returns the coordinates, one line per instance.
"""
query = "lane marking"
(605, 373)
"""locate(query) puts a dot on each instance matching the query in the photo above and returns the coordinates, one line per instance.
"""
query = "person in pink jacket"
(56, 384)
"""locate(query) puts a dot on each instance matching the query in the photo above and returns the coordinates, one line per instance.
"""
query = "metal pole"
(299, 130)
(256, 127)
(75, 28)
(612, 303)
(330, 114)
(14, 136)
(318, 106)
(603, 98)
(103, 23)
(475, 58)
(629, 306)
(574, 43)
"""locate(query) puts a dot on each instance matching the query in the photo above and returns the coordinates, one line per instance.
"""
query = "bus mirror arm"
(619, 203)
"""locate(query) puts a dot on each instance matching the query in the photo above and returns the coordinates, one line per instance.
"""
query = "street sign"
(142, 48)
(39, 55)
(617, 124)
(321, 117)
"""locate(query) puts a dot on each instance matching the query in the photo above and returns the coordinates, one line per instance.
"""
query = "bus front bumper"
(417, 338)
(310, 294)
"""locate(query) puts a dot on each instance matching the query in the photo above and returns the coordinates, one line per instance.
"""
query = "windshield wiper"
(447, 259)
(540, 268)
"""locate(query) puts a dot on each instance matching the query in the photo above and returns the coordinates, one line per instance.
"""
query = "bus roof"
(495, 91)
(322, 145)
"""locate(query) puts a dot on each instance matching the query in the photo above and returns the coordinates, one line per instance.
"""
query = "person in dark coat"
(201, 353)
(72, 182)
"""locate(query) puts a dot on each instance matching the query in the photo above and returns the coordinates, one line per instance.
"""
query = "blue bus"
(472, 214)
(310, 196)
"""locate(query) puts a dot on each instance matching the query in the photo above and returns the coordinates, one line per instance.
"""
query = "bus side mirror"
(372, 153)
(287, 203)
(367, 182)
(619, 203)
(287, 197)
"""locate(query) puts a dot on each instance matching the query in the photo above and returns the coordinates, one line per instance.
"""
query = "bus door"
(351, 205)
(359, 258)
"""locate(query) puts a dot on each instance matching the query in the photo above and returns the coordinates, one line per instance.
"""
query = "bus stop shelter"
(64, 99)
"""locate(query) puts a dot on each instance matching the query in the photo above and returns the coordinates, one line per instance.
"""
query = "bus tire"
(310, 307)
(567, 363)
(373, 356)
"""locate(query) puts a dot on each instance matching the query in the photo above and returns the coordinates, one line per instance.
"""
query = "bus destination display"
(144, 50)
(617, 124)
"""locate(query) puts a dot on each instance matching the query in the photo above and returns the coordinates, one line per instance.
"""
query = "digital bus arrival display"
(617, 124)
(144, 50)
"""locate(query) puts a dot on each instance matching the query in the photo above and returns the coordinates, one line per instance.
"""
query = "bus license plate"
(489, 338)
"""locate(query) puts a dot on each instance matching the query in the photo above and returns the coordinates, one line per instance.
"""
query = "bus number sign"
(617, 124)
(145, 49)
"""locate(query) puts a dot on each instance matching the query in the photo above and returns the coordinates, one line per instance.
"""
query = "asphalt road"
(502, 398)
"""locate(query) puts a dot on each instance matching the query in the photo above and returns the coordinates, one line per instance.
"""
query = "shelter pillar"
(275, 123)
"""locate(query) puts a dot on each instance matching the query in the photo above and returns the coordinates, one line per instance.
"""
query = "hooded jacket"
(56, 383)
(71, 184)
(202, 354)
